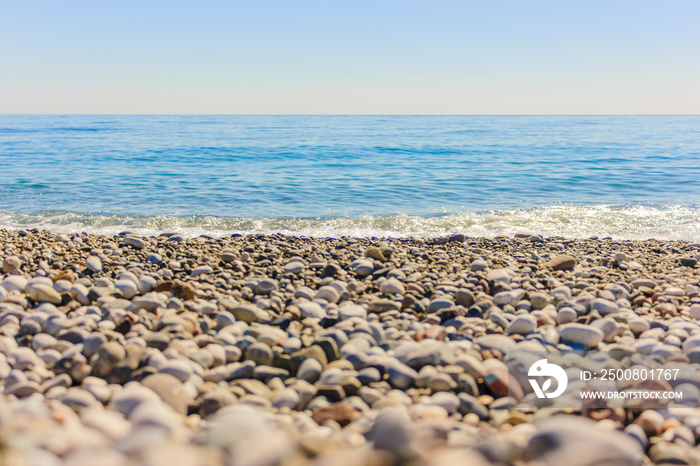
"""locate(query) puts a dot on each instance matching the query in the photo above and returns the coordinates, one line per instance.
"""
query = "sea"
(625, 177)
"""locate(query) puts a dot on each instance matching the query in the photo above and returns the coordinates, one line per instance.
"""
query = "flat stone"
(522, 325)
(566, 315)
(44, 294)
(562, 293)
(136, 243)
(106, 358)
(562, 262)
(691, 343)
(688, 261)
(363, 267)
(128, 399)
(694, 311)
(146, 284)
(392, 286)
(14, 283)
(638, 326)
(128, 288)
(169, 389)
(439, 303)
(566, 439)
(349, 311)
(310, 370)
(443, 383)
(154, 258)
(343, 413)
(499, 276)
(260, 353)
(329, 293)
(201, 270)
(604, 306)
(539, 300)
(312, 309)
(287, 398)
(249, 313)
(498, 342)
(478, 264)
(333, 392)
(644, 282)
(215, 400)
(464, 298)
(11, 265)
(449, 401)
(401, 376)
(607, 326)
(94, 264)
(294, 267)
(391, 431)
(582, 334)
(508, 297)
(383, 305)
(178, 368)
(375, 253)
(78, 399)
(266, 286)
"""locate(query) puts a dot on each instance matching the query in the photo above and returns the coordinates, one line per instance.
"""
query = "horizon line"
(349, 114)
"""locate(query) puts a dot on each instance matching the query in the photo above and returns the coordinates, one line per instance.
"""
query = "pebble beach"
(283, 350)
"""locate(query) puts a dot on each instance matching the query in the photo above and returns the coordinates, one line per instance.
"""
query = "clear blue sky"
(350, 56)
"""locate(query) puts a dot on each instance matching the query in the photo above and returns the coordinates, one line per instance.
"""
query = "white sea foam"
(671, 222)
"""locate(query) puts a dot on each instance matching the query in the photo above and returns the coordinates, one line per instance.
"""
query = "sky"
(350, 57)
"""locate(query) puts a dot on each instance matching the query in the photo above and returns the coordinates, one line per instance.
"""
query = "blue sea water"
(633, 177)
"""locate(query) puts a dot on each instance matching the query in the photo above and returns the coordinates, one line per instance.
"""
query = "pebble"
(170, 389)
(11, 265)
(498, 342)
(478, 265)
(401, 376)
(136, 243)
(570, 440)
(294, 267)
(179, 369)
(329, 293)
(508, 297)
(522, 325)
(638, 326)
(439, 303)
(604, 306)
(566, 315)
(14, 283)
(562, 262)
(310, 370)
(201, 270)
(392, 286)
(128, 288)
(249, 313)
(442, 383)
(128, 399)
(446, 400)
(42, 293)
(350, 311)
(590, 337)
(499, 276)
(94, 264)
(312, 309)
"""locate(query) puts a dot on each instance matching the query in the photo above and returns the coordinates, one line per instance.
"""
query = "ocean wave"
(637, 222)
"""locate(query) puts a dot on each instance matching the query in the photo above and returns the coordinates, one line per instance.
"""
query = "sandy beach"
(253, 350)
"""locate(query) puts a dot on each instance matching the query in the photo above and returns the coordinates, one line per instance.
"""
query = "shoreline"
(265, 349)
(182, 235)
(635, 222)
